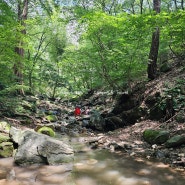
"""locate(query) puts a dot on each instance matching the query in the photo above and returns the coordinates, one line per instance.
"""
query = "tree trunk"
(141, 6)
(182, 4)
(176, 7)
(18, 66)
(152, 60)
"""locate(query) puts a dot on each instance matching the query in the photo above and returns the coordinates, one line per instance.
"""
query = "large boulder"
(36, 148)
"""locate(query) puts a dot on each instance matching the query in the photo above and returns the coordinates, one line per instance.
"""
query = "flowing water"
(92, 167)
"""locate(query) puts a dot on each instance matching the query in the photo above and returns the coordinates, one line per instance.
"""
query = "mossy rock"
(47, 131)
(175, 141)
(4, 138)
(6, 149)
(51, 118)
(156, 136)
(4, 126)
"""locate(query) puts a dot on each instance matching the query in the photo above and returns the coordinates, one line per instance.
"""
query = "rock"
(85, 123)
(112, 123)
(51, 118)
(175, 141)
(47, 131)
(97, 122)
(155, 136)
(4, 126)
(4, 137)
(124, 103)
(116, 146)
(6, 149)
(131, 116)
(159, 154)
(155, 109)
(35, 148)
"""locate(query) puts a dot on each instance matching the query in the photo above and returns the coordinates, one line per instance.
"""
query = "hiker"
(77, 111)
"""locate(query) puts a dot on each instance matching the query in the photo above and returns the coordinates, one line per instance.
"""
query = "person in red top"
(77, 111)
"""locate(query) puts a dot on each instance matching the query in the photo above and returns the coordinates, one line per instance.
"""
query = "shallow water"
(104, 168)
(91, 167)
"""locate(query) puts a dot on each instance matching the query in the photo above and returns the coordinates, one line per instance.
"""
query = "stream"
(92, 167)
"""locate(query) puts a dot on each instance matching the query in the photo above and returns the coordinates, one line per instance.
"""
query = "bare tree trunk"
(149, 5)
(182, 4)
(18, 66)
(141, 6)
(175, 1)
(132, 8)
(152, 60)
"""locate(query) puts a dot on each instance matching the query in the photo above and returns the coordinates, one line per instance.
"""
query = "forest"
(59, 48)
(109, 71)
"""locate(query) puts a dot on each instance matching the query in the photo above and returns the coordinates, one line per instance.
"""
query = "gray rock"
(97, 121)
(35, 148)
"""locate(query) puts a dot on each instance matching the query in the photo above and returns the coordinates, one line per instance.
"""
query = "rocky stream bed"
(148, 122)
(97, 130)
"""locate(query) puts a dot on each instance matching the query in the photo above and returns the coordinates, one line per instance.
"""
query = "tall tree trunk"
(152, 60)
(175, 2)
(141, 6)
(18, 66)
(182, 4)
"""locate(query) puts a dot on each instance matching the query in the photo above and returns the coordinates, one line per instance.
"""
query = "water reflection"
(110, 169)
(90, 167)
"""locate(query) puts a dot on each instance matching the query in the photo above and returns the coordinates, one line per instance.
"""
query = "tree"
(22, 17)
(112, 49)
(7, 42)
(153, 55)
